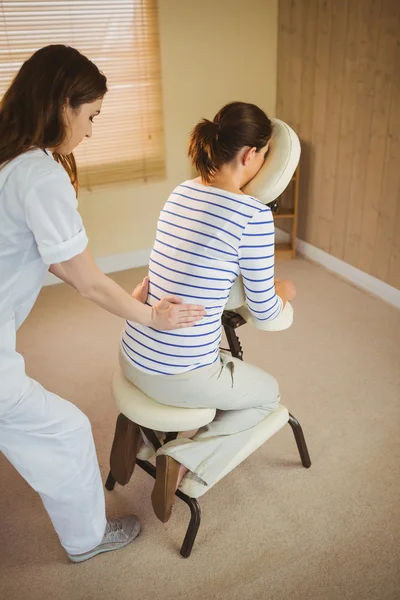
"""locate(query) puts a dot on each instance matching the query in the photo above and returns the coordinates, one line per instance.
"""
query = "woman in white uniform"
(46, 112)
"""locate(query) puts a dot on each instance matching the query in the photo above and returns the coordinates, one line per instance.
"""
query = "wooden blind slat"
(121, 38)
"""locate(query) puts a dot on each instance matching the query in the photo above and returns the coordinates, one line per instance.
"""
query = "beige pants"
(242, 394)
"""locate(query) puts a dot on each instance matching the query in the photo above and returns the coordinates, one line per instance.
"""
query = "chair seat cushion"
(144, 411)
(262, 432)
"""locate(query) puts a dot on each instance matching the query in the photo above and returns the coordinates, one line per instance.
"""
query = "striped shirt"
(205, 238)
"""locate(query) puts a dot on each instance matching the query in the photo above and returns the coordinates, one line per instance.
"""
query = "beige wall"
(212, 52)
(339, 87)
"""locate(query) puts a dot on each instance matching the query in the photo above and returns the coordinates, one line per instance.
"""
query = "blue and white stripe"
(205, 238)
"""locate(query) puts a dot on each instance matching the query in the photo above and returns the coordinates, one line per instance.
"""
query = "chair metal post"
(151, 437)
(300, 441)
(195, 519)
(110, 483)
(195, 512)
(230, 322)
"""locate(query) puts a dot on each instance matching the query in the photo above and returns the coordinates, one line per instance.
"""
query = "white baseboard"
(356, 276)
(113, 263)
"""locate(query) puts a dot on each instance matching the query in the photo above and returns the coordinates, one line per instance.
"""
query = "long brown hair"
(31, 110)
(215, 143)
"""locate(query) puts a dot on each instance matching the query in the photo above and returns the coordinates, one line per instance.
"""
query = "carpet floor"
(271, 530)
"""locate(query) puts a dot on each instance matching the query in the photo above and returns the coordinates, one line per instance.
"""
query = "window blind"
(121, 38)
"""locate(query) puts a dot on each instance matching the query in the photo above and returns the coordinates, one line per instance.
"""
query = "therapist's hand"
(141, 291)
(170, 313)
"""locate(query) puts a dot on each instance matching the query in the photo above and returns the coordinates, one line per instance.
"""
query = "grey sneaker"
(119, 533)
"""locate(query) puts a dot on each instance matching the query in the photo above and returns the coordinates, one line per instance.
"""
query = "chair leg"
(110, 483)
(151, 437)
(193, 528)
(171, 435)
(195, 513)
(300, 441)
(123, 451)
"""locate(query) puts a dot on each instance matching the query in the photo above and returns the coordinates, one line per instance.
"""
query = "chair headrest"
(280, 164)
(269, 183)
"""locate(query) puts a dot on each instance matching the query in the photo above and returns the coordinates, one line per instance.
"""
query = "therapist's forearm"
(59, 271)
(90, 281)
(109, 295)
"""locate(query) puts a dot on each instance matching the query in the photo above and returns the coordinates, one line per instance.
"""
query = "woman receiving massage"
(209, 232)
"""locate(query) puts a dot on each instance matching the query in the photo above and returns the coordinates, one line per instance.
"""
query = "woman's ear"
(248, 155)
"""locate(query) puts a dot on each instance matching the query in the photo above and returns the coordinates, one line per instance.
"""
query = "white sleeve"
(256, 262)
(52, 216)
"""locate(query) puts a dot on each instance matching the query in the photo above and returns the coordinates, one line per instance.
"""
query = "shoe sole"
(78, 558)
(163, 494)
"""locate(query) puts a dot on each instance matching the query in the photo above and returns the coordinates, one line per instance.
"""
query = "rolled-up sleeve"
(52, 216)
(256, 262)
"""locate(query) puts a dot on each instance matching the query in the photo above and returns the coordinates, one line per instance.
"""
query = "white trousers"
(243, 395)
(49, 441)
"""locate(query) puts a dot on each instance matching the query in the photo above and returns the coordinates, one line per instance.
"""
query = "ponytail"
(203, 149)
